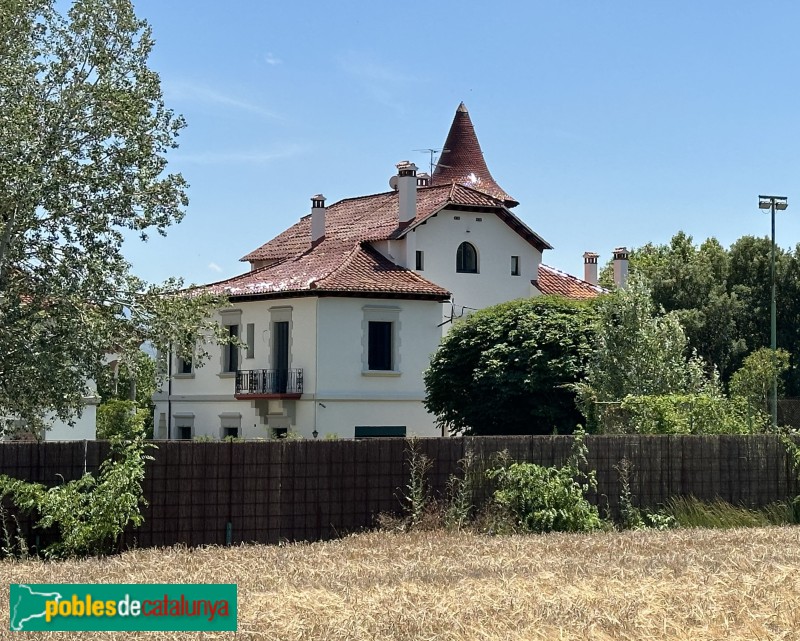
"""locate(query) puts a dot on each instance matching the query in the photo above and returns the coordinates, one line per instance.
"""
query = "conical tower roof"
(461, 160)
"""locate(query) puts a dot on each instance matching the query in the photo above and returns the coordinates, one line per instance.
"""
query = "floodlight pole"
(772, 203)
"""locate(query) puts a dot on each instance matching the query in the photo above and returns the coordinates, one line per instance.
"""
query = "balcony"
(269, 383)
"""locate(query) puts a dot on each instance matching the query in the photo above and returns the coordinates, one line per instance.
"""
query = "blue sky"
(613, 123)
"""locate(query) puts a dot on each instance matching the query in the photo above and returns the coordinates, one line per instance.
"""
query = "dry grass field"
(683, 584)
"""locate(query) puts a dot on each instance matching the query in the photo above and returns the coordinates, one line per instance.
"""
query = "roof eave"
(323, 293)
(507, 216)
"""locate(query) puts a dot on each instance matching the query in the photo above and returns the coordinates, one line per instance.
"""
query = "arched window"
(466, 259)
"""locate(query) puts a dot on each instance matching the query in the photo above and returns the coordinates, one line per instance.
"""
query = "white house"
(341, 312)
(84, 426)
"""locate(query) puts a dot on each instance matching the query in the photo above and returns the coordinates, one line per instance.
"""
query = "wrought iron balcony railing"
(274, 383)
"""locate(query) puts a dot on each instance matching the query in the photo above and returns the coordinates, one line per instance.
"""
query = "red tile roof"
(554, 281)
(375, 218)
(343, 262)
(332, 267)
(462, 162)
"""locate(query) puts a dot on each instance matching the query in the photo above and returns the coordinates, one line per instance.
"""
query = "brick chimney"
(590, 267)
(317, 218)
(621, 267)
(407, 191)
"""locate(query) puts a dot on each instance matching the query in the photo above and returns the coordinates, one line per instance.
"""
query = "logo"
(122, 607)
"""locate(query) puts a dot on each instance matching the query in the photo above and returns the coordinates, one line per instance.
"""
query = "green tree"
(749, 279)
(508, 369)
(753, 380)
(123, 420)
(722, 297)
(643, 377)
(638, 351)
(83, 139)
(133, 381)
(692, 281)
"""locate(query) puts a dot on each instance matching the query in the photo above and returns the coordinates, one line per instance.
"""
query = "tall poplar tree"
(84, 133)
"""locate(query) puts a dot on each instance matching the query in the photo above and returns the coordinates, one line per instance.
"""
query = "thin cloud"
(272, 60)
(383, 83)
(190, 92)
(215, 268)
(238, 157)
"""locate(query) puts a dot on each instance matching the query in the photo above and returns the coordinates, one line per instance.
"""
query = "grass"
(695, 584)
(693, 513)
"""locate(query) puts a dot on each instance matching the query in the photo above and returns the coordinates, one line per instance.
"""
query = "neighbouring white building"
(342, 311)
(84, 427)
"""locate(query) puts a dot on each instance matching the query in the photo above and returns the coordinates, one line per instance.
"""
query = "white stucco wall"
(210, 380)
(495, 243)
(328, 338)
(208, 392)
(85, 427)
(354, 396)
(337, 392)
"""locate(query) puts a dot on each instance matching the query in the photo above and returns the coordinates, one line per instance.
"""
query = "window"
(231, 320)
(231, 352)
(380, 337)
(515, 265)
(280, 356)
(420, 261)
(466, 259)
(377, 431)
(380, 345)
(230, 424)
(182, 358)
(251, 340)
(184, 365)
(184, 426)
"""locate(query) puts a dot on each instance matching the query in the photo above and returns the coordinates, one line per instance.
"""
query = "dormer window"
(466, 259)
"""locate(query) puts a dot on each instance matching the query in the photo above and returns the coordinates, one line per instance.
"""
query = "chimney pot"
(406, 192)
(621, 267)
(317, 218)
(590, 267)
(406, 168)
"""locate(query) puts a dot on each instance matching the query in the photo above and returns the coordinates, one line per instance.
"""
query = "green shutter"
(374, 431)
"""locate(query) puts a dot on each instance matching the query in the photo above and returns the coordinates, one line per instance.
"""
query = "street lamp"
(772, 203)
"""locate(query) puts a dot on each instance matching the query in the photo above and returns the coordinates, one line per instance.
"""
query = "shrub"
(458, 508)
(690, 414)
(633, 517)
(416, 497)
(12, 541)
(90, 513)
(546, 499)
(508, 369)
(753, 380)
(118, 419)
